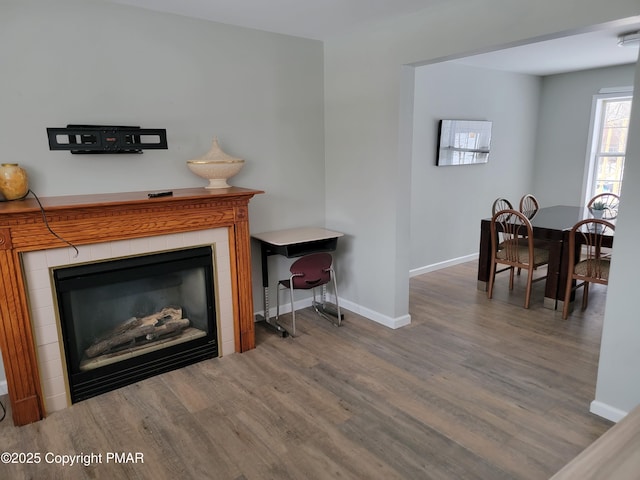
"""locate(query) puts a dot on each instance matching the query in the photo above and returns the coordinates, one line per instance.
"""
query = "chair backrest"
(311, 271)
(529, 205)
(516, 245)
(587, 238)
(500, 204)
(607, 203)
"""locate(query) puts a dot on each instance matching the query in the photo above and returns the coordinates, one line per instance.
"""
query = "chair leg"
(511, 278)
(293, 315)
(585, 296)
(277, 303)
(527, 298)
(492, 279)
(335, 290)
(323, 312)
(567, 298)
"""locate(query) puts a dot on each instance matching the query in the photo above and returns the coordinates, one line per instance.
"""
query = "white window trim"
(592, 142)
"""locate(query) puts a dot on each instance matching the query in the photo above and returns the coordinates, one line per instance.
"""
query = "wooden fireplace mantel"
(88, 219)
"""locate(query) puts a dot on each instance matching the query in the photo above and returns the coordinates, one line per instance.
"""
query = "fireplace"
(128, 319)
(107, 227)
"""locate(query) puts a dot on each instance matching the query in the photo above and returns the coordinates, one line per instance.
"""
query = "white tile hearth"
(37, 271)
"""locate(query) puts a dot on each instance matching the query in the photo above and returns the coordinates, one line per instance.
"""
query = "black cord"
(46, 222)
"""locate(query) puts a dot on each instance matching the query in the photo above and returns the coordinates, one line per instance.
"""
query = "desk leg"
(265, 293)
(265, 284)
(564, 271)
(552, 286)
(265, 303)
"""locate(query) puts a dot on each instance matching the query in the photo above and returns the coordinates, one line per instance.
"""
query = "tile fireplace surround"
(108, 226)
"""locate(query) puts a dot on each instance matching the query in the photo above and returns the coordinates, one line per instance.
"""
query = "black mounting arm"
(106, 139)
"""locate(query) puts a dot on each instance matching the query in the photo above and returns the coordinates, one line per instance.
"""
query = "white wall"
(563, 130)
(73, 61)
(618, 388)
(454, 199)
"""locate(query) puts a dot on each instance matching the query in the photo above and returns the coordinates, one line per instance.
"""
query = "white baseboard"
(353, 307)
(376, 316)
(440, 265)
(607, 411)
(372, 315)
(3, 388)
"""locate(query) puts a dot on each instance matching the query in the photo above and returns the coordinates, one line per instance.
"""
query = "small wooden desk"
(291, 243)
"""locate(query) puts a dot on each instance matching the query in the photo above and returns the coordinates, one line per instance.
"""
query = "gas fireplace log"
(110, 343)
(134, 328)
(171, 327)
(133, 322)
(166, 314)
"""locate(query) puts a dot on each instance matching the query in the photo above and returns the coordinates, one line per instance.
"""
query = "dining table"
(551, 224)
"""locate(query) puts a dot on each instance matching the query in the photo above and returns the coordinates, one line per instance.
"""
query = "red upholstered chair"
(307, 273)
(517, 249)
(592, 266)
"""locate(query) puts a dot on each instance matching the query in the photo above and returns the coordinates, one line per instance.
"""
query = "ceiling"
(323, 19)
(316, 19)
(581, 51)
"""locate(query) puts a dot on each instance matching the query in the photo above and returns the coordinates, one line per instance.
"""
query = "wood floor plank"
(471, 389)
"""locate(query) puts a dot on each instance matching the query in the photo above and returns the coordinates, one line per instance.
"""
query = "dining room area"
(541, 142)
(517, 173)
(574, 243)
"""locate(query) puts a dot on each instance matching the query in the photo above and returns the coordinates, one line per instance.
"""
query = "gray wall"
(73, 61)
(618, 388)
(563, 130)
(262, 94)
(540, 132)
(453, 199)
(368, 195)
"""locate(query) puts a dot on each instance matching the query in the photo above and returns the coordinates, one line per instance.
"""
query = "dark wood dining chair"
(500, 204)
(529, 205)
(607, 203)
(516, 251)
(589, 258)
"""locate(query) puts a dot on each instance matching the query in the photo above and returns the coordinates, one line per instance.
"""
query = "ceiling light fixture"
(630, 39)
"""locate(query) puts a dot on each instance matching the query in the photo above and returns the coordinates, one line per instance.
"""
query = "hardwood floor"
(471, 389)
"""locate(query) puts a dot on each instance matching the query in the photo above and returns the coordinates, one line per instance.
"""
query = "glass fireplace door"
(128, 319)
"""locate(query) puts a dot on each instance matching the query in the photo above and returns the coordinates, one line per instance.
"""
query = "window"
(609, 143)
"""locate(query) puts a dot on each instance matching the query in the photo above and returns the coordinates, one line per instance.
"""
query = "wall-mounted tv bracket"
(106, 139)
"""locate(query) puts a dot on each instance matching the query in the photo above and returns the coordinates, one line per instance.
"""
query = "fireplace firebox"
(128, 319)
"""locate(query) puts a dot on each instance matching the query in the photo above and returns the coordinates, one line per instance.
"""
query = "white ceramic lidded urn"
(216, 166)
(14, 182)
